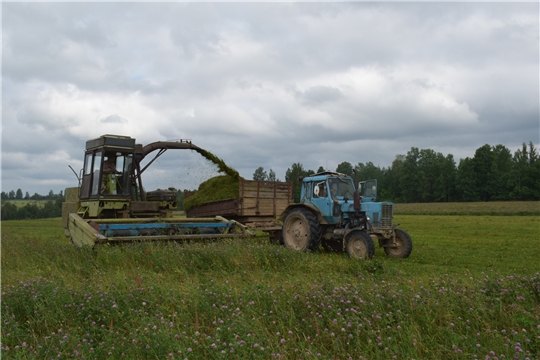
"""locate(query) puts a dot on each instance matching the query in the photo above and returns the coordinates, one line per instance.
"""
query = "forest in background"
(420, 176)
(426, 176)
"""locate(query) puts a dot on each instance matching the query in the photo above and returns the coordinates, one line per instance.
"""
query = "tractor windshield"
(116, 173)
(341, 188)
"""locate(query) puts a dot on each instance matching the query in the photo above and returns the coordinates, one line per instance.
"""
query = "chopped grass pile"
(214, 189)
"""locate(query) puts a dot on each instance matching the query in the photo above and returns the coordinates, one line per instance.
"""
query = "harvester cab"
(108, 168)
(342, 219)
(111, 183)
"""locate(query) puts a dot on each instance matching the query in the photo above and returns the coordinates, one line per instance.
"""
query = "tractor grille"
(386, 218)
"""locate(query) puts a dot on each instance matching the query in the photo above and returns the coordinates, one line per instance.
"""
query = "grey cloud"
(320, 94)
(113, 119)
(266, 84)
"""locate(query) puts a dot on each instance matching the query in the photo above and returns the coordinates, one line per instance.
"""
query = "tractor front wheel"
(360, 246)
(403, 247)
(301, 231)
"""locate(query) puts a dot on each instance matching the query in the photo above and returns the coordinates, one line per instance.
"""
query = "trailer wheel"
(360, 246)
(404, 245)
(301, 231)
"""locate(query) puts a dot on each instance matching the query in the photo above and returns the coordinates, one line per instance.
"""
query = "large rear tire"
(360, 246)
(301, 231)
(403, 245)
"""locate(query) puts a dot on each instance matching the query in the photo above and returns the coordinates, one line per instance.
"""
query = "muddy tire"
(404, 245)
(360, 246)
(301, 231)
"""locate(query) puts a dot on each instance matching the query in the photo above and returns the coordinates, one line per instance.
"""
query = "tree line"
(18, 195)
(32, 210)
(423, 175)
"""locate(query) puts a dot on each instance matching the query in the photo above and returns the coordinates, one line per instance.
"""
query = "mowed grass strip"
(471, 288)
(507, 208)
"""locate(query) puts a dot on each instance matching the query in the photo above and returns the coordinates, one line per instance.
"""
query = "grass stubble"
(471, 289)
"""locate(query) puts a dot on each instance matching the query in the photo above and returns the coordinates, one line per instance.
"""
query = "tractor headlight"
(368, 219)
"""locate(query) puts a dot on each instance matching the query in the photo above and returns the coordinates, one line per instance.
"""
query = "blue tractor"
(334, 213)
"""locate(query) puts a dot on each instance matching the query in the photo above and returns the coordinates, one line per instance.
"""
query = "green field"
(501, 208)
(471, 289)
(22, 203)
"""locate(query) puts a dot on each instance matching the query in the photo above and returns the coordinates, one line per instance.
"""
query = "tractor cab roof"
(325, 175)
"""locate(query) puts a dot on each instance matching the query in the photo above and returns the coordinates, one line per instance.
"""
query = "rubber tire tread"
(407, 242)
(368, 241)
(315, 233)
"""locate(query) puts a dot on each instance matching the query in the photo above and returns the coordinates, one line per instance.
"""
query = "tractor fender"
(350, 232)
(310, 207)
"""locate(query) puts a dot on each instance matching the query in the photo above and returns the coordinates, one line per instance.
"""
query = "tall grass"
(471, 289)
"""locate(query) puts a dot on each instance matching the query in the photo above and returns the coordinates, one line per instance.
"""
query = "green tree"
(9, 210)
(525, 179)
(502, 173)
(436, 176)
(367, 171)
(272, 176)
(466, 181)
(345, 168)
(485, 172)
(260, 174)
(445, 184)
(294, 175)
(19, 194)
(410, 179)
(320, 170)
(392, 175)
(493, 171)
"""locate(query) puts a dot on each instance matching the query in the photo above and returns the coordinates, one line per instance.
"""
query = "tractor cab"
(330, 192)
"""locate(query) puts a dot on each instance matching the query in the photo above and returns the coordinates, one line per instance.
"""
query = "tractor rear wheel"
(360, 246)
(403, 245)
(301, 230)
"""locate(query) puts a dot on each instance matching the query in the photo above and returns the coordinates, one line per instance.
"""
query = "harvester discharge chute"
(110, 204)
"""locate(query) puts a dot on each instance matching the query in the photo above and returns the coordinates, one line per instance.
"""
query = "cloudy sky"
(262, 84)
